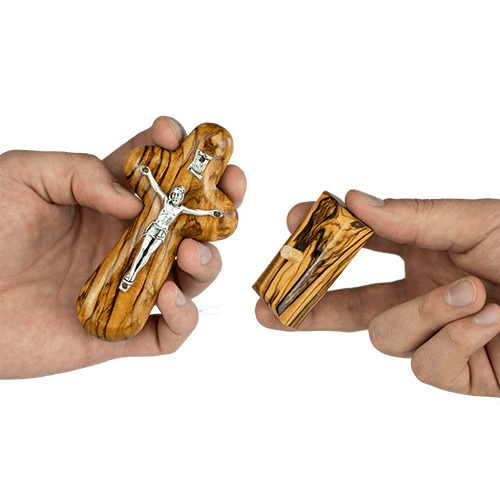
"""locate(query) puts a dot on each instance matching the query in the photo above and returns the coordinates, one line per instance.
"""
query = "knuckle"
(426, 307)
(423, 369)
(11, 158)
(355, 309)
(379, 335)
(86, 166)
(169, 344)
(171, 348)
(422, 207)
(87, 160)
(455, 339)
(8, 155)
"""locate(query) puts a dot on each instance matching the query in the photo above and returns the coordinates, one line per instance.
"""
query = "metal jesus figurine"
(181, 200)
(157, 231)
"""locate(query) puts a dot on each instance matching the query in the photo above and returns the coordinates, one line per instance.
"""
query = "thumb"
(78, 179)
(455, 225)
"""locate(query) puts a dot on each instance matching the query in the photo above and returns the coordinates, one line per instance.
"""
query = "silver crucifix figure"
(156, 232)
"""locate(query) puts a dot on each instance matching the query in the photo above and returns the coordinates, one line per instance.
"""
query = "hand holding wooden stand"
(311, 260)
(181, 200)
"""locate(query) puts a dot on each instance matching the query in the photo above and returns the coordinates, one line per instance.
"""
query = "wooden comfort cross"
(181, 200)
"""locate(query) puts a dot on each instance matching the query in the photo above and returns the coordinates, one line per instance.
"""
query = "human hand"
(61, 215)
(445, 313)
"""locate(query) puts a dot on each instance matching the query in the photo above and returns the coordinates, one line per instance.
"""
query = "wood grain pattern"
(111, 314)
(329, 238)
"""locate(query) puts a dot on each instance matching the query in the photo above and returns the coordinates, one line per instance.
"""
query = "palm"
(53, 250)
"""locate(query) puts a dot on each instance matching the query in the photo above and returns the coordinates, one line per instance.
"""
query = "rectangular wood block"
(328, 238)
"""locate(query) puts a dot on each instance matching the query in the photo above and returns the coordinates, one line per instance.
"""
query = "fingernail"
(204, 253)
(461, 294)
(121, 190)
(177, 128)
(488, 316)
(180, 298)
(369, 199)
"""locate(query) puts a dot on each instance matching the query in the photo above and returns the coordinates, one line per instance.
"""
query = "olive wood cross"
(181, 200)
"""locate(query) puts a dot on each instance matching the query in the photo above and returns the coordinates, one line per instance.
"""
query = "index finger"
(454, 225)
(165, 132)
(376, 243)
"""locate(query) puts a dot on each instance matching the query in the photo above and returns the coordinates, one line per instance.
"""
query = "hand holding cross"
(176, 188)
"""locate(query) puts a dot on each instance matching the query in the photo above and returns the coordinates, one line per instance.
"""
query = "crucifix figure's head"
(177, 195)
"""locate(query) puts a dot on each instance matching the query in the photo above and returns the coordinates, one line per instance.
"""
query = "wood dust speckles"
(209, 309)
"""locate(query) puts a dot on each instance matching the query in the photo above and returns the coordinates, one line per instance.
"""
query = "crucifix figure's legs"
(149, 246)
